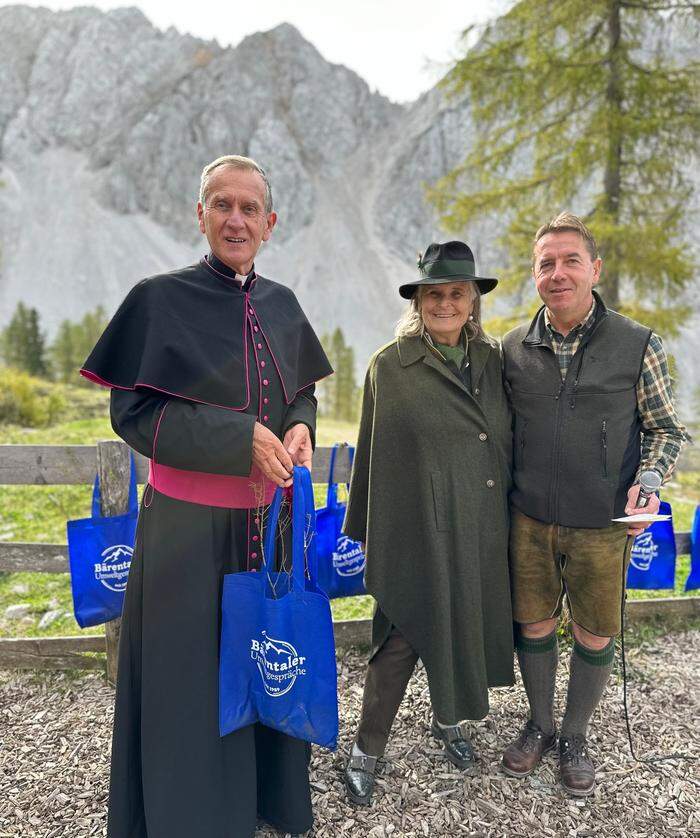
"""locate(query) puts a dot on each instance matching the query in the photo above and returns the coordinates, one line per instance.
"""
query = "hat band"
(448, 267)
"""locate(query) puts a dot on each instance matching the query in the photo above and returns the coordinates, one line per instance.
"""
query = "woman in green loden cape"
(428, 498)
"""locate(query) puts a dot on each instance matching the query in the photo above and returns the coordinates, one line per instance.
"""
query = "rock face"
(106, 123)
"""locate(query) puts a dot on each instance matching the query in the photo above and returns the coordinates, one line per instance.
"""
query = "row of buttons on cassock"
(265, 418)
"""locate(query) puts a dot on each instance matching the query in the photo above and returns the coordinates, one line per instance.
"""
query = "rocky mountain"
(106, 123)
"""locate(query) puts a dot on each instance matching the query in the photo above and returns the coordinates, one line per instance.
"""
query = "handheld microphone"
(649, 482)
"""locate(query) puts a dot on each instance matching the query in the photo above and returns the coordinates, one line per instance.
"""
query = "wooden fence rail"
(78, 464)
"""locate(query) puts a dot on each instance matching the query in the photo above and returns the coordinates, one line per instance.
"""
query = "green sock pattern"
(596, 657)
(536, 645)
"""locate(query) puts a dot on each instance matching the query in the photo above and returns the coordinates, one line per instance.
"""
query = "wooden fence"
(77, 464)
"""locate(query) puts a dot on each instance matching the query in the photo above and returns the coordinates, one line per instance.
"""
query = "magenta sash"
(212, 489)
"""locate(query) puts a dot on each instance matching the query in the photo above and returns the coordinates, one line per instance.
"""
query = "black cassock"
(195, 358)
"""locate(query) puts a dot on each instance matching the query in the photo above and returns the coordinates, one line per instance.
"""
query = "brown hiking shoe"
(521, 757)
(576, 770)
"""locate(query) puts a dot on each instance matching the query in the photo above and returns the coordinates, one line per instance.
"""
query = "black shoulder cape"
(185, 333)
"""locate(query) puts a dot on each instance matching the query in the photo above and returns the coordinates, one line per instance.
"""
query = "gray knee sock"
(589, 673)
(538, 658)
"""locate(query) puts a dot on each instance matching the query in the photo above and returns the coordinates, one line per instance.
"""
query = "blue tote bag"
(277, 655)
(693, 581)
(653, 557)
(99, 554)
(341, 562)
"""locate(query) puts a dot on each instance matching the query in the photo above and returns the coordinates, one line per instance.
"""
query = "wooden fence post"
(113, 464)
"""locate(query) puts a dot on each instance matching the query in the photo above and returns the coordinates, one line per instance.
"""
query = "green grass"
(330, 431)
(39, 513)
(75, 432)
(42, 592)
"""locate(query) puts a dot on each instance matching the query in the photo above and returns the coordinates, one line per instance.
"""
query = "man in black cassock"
(212, 369)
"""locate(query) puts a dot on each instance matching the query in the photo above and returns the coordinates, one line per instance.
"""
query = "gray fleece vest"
(577, 442)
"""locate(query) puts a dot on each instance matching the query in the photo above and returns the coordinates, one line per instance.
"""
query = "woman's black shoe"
(458, 748)
(359, 778)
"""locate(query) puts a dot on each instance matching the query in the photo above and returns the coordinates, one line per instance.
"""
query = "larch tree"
(587, 105)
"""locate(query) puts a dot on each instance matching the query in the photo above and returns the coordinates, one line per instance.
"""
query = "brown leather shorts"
(548, 561)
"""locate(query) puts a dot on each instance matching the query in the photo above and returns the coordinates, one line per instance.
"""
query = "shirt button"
(265, 382)
(255, 329)
(257, 521)
(262, 363)
(260, 346)
(265, 400)
(483, 437)
(266, 418)
(476, 390)
(250, 311)
(253, 555)
(256, 537)
(490, 483)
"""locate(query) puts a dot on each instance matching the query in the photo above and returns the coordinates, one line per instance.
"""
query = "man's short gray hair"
(237, 161)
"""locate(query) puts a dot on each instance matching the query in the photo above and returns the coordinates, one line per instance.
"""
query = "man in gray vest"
(591, 394)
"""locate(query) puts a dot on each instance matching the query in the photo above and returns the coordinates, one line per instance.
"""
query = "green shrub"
(28, 401)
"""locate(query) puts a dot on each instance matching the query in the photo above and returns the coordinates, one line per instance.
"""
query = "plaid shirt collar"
(579, 330)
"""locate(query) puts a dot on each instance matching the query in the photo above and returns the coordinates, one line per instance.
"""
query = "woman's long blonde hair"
(411, 322)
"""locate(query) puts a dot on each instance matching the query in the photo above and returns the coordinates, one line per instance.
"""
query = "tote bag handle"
(133, 497)
(332, 493)
(303, 528)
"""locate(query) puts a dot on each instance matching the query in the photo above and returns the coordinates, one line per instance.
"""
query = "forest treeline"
(25, 348)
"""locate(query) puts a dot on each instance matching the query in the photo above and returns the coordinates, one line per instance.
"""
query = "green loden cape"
(429, 498)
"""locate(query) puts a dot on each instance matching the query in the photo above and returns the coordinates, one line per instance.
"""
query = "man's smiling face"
(565, 274)
(233, 216)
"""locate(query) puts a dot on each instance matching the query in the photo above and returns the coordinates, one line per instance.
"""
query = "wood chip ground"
(55, 739)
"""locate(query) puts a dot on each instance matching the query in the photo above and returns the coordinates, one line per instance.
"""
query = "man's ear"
(270, 222)
(200, 216)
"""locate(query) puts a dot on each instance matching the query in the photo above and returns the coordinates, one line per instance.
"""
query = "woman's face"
(445, 309)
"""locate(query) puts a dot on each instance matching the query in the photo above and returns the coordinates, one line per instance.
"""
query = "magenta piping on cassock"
(91, 376)
(272, 355)
(287, 400)
(248, 309)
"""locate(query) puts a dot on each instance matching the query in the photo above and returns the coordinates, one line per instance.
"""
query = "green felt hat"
(447, 262)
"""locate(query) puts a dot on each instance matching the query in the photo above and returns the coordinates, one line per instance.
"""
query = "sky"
(399, 47)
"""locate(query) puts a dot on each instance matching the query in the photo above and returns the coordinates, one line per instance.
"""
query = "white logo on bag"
(644, 551)
(348, 558)
(113, 570)
(278, 662)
